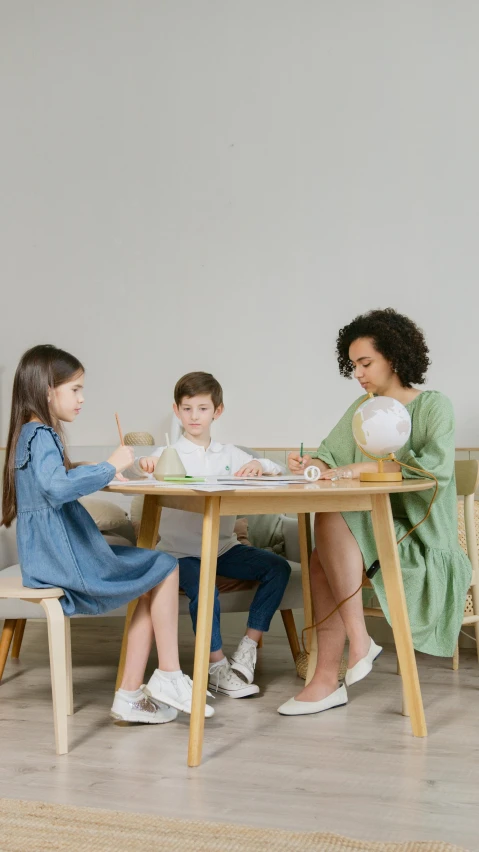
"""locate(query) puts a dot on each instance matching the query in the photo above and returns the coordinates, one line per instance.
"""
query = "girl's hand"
(351, 471)
(252, 468)
(148, 463)
(298, 464)
(122, 458)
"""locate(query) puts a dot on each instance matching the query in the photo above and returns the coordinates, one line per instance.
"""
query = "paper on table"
(257, 482)
(193, 486)
(211, 486)
(270, 481)
(133, 482)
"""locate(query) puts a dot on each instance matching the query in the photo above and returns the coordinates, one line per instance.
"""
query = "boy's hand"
(252, 468)
(148, 463)
(297, 464)
(122, 458)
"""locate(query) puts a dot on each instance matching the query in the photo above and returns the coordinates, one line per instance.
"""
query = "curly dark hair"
(395, 336)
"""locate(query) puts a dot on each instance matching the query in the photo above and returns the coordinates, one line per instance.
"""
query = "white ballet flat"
(364, 666)
(305, 708)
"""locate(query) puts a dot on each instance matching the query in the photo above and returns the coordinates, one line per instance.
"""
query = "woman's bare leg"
(342, 562)
(331, 637)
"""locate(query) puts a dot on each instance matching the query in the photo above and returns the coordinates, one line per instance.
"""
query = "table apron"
(261, 504)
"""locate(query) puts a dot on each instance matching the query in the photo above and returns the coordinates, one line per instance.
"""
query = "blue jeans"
(240, 563)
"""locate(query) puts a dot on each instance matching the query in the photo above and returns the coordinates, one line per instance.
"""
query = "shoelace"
(245, 654)
(229, 674)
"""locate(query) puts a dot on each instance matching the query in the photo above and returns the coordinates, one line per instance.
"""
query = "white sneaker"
(141, 709)
(243, 660)
(221, 678)
(176, 692)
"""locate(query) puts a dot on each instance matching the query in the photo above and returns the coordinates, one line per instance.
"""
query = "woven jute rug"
(39, 827)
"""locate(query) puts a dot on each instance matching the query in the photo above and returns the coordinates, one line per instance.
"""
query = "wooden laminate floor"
(356, 770)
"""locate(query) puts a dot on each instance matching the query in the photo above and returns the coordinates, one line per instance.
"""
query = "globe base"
(377, 476)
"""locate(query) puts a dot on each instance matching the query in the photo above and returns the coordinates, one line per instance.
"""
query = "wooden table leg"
(404, 710)
(385, 536)
(147, 537)
(209, 555)
(305, 547)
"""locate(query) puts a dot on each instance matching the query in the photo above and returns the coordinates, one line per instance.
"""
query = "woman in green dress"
(386, 352)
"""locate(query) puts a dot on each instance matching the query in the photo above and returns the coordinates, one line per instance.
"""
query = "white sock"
(218, 663)
(133, 694)
(249, 641)
(170, 675)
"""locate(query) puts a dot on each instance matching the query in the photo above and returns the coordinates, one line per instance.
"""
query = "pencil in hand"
(122, 442)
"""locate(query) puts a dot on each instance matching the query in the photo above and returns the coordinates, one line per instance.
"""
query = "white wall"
(218, 185)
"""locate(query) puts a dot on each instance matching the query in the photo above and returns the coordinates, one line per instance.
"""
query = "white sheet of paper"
(181, 486)
(133, 482)
(270, 481)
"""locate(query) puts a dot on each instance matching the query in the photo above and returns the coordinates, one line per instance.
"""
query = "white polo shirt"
(181, 532)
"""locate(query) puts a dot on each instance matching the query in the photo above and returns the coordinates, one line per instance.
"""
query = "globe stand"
(381, 475)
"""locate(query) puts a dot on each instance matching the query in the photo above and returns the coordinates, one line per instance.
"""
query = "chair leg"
(291, 633)
(57, 642)
(5, 642)
(68, 655)
(18, 637)
(455, 659)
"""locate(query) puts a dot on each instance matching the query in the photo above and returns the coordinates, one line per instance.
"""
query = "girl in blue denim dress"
(60, 545)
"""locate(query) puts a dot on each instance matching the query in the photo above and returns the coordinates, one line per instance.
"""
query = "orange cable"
(409, 467)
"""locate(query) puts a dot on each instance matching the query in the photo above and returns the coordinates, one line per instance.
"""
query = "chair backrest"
(467, 480)
(467, 477)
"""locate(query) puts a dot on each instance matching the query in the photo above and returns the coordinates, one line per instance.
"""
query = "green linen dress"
(436, 571)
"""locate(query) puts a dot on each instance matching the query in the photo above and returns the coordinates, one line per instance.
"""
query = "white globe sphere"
(381, 425)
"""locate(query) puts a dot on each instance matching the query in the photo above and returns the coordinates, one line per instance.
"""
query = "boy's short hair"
(193, 384)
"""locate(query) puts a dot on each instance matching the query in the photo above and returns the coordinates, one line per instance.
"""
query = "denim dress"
(59, 544)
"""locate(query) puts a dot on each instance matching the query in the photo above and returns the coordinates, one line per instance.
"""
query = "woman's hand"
(122, 458)
(252, 468)
(353, 471)
(350, 471)
(148, 463)
(298, 463)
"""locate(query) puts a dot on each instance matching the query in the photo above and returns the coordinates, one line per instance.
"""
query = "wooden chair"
(59, 646)
(467, 480)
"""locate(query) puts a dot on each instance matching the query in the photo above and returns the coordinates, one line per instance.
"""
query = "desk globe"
(381, 426)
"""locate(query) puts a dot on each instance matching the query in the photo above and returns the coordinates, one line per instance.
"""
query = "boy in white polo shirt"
(198, 402)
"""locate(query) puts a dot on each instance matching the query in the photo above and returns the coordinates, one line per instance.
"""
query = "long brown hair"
(40, 368)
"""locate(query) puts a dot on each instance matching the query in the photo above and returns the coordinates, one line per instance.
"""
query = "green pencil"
(301, 451)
